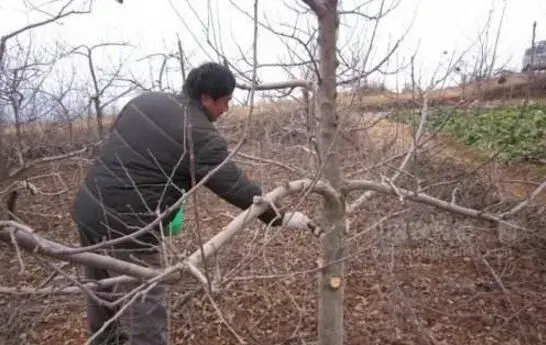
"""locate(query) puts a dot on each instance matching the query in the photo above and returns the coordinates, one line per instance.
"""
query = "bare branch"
(34, 243)
(525, 202)
(63, 13)
(31, 242)
(390, 188)
(276, 86)
(28, 165)
(410, 154)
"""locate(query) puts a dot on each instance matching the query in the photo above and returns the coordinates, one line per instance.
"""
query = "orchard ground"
(415, 274)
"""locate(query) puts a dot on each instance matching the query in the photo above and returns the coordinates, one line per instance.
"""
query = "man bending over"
(143, 168)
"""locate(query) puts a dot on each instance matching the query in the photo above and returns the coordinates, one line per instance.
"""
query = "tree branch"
(275, 86)
(32, 242)
(61, 14)
(353, 185)
(525, 202)
(414, 145)
(50, 159)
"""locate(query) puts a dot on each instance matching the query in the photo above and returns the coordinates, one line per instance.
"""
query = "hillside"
(503, 89)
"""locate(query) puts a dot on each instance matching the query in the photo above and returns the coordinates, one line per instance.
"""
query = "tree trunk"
(331, 277)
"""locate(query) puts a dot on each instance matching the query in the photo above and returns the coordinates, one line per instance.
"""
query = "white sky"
(151, 27)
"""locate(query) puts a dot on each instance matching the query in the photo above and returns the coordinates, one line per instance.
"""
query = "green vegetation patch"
(517, 132)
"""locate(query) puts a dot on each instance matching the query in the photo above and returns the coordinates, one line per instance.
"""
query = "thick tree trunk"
(331, 279)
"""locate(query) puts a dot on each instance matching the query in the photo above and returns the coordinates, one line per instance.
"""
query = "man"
(160, 145)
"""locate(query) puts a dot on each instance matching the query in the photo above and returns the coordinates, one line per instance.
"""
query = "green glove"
(177, 224)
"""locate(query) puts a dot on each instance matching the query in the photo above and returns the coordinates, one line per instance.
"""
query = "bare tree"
(66, 9)
(24, 68)
(101, 83)
(65, 103)
(484, 62)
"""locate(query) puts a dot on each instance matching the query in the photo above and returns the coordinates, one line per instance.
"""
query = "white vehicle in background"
(535, 61)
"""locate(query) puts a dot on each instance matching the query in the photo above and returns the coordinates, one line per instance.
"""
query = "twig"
(269, 161)
(525, 202)
(427, 199)
(112, 319)
(414, 145)
(84, 288)
(225, 322)
(17, 251)
(50, 159)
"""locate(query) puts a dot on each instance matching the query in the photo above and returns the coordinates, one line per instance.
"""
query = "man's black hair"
(210, 78)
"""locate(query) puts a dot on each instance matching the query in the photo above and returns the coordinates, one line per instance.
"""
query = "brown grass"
(508, 88)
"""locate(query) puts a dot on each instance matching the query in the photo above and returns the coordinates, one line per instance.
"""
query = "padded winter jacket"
(150, 144)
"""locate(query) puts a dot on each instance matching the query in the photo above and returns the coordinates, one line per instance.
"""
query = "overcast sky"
(151, 27)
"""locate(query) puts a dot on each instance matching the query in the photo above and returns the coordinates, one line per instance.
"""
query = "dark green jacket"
(149, 145)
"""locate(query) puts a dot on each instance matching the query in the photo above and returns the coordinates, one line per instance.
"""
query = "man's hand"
(299, 221)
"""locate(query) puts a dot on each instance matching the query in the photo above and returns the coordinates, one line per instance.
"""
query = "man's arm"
(229, 182)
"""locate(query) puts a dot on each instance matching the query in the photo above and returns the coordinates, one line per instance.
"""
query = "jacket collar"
(196, 104)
